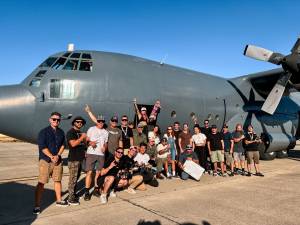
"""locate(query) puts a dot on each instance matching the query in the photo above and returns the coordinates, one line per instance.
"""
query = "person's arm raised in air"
(137, 109)
(91, 115)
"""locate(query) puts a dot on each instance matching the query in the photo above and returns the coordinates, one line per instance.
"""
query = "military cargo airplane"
(108, 82)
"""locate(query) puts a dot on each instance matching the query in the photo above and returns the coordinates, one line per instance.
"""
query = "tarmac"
(273, 199)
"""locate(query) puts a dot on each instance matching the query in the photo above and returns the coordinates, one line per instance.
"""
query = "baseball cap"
(188, 147)
(100, 118)
(213, 126)
(114, 118)
(143, 109)
(79, 118)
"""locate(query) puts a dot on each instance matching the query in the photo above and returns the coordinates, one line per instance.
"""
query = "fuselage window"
(71, 65)
(41, 73)
(64, 89)
(35, 82)
(67, 54)
(48, 62)
(59, 64)
(86, 66)
(86, 56)
(75, 55)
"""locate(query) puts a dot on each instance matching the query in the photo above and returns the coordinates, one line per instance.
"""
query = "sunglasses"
(100, 121)
(79, 121)
(124, 119)
(114, 121)
(119, 152)
(55, 120)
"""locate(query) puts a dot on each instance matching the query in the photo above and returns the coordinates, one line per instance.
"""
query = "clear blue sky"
(206, 36)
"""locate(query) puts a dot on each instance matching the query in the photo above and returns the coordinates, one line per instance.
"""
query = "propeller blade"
(276, 93)
(296, 47)
(263, 54)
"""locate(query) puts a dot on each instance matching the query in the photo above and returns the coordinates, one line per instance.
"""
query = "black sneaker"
(259, 174)
(231, 174)
(96, 192)
(62, 204)
(73, 201)
(248, 174)
(36, 210)
(87, 196)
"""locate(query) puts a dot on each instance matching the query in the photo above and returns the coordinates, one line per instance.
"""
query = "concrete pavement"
(273, 199)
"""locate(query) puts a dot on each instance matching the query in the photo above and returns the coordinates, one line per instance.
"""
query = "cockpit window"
(86, 56)
(67, 54)
(35, 82)
(75, 55)
(48, 62)
(86, 65)
(41, 73)
(59, 64)
(71, 65)
(64, 89)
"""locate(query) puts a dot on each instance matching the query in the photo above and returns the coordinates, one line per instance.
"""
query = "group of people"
(120, 157)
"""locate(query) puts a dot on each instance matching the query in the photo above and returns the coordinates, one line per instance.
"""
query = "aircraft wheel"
(282, 154)
(265, 155)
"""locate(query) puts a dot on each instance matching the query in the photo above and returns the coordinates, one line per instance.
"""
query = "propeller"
(289, 64)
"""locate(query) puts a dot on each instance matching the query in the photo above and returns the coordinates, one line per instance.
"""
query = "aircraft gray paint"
(108, 82)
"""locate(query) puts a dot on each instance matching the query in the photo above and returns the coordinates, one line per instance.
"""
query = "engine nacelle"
(274, 142)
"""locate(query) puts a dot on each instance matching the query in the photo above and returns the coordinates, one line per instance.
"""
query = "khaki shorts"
(49, 169)
(94, 162)
(238, 156)
(229, 158)
(217, 156)
(253, 156)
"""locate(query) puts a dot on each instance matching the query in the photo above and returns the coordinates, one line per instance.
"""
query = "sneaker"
(112, 194)
(96, 192)
(248, 174)
(62, 204)
(103, 199)
(87, 196)
(224, 175)
(73, 201)
(215, 174)
(159, 176)
(130, 190)
(36, 210)
(231, 174)
(259, 174)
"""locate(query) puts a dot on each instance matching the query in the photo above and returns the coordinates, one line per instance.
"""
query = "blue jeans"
(184, 175)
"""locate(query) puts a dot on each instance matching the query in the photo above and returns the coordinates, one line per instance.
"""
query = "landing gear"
(282, 154)
(266, 155)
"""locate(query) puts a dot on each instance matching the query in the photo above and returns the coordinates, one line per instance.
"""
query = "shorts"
(47, 169)
(229, 158)
(217, 156)
(253, 156)
(239, 156)
(160, 162)
(94, 162)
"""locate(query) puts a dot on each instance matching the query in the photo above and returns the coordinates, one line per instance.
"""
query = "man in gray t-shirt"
(114, 135)
(238, 149)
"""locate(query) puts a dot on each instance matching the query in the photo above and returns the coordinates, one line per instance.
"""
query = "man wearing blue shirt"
(51, 143)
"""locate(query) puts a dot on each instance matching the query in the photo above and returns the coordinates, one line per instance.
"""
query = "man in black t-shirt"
(77, 147)
(251, 145)
(127, 134)
(215, 144)
(177, 131)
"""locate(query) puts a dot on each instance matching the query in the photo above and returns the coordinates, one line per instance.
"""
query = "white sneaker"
(103, 199)
(112, 194)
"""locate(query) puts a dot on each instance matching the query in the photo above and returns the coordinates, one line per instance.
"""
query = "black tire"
(266, 155)
(282, 154)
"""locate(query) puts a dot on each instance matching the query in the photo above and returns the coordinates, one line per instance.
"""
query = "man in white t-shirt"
(142, 158)
(163, 150)
(97, 138)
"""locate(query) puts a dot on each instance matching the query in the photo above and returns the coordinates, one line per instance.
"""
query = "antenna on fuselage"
(70, 47)
(162, 61)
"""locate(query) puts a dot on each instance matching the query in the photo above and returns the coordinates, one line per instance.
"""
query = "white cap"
(70, 47)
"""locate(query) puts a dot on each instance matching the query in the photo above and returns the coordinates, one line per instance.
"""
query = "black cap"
(79, 118)
(213, 126)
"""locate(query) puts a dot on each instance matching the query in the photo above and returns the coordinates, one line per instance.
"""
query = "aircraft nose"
(16, 111)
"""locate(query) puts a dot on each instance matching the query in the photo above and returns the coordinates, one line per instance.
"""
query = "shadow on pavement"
(295, 155)
(17, 201)
(157, 222)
